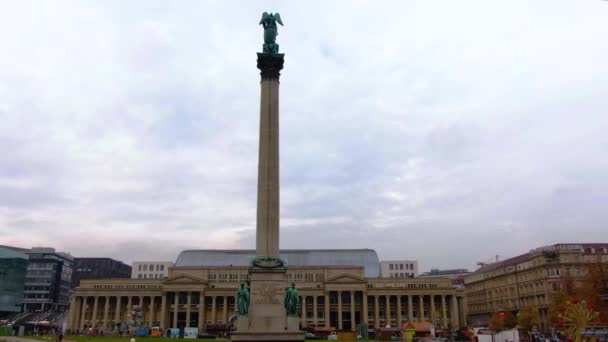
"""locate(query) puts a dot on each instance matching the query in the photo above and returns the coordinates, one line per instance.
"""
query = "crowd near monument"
(268, 309)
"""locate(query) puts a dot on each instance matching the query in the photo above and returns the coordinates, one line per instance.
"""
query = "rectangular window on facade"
(151, 267)
(162, 267)
(139, 267)
(144, 275)
(412, 267)
(145, 268)
(401, 267)
(390, 267)
(139, 276)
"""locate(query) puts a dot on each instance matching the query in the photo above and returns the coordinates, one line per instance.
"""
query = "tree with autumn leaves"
(503, 321)
(593, 286)
(581, 306)
(529, 317)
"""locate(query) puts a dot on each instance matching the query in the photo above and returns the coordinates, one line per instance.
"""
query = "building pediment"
(345, 279)
(183, 279)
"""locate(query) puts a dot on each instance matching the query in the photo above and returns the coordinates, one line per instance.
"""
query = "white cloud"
(445, 133)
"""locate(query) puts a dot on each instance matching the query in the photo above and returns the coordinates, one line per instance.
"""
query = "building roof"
(534, 252)
(366, 258)
(10, 252)
(440, 273)
(35, 251)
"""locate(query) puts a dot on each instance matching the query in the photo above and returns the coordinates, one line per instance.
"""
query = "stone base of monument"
(293, 324)
(242, 324)
(267, 319)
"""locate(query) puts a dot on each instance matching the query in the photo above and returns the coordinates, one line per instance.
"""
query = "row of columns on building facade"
(388, 319)
(79, 306)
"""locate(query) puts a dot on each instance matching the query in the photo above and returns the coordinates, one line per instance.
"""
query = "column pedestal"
(268, 319)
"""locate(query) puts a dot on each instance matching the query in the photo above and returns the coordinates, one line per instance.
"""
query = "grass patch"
(109, 339)
(128, 339)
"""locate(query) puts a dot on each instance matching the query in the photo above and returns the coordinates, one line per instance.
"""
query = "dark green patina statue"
(269, 22)
(242, 300)
(291, 301)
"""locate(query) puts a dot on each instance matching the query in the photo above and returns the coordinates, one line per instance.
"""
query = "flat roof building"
(47, 281)
(399, 268)
(98, 268)
(13, 267)
(150, 269)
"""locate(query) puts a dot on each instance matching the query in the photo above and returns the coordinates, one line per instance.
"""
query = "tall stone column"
(83, 313)
(106, 309)
(129, 303)
(214, 309)
(225, 310)
(353, 322)
(444, 311)
(376, 312)
(399, 318)
(327, 312)
(421, 310)
(235, 308)
(388, 310)
(117, 314)
(94, 317)
(188, 303)
(163, 311)
(314, 309)
(268, 319)
(432, 318)
(201, 311)
(364, 308)
(340, 310)
(72, 312)
(303, 307)
(175, 309)
(454, 313)
(267, 230)
(410, 308)
(152, 297)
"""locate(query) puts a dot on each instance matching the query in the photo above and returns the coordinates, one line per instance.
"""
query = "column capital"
(270, 65)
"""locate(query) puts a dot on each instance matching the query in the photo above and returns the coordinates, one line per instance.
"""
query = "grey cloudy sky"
(444, 131)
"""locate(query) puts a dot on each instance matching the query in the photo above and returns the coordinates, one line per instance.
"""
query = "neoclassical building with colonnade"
(339, 289)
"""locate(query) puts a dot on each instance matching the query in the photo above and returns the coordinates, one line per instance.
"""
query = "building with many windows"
(13, 267)
(529, 279)
(150, 269)
(47, 280)
(399, 268)
(98, 268)
(338, 289)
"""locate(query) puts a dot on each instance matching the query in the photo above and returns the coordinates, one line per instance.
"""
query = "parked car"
(333, 336)
(311, 336)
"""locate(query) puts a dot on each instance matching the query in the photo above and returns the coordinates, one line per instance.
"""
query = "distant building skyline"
(399, 268)
(98, 268)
